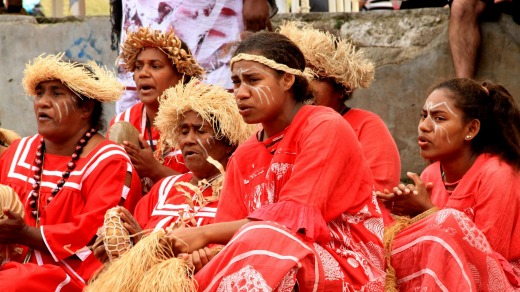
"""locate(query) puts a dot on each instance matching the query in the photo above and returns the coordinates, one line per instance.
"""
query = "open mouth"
(189, 153)
(43, 116)
(422, 141)
(145, 88)
(244, 109)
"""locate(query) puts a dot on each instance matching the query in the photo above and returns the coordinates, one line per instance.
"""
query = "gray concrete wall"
(410, 49)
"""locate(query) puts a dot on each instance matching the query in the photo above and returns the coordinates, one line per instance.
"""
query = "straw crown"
(168, 43)
(211, 102)
(329, 56)
(94, 82)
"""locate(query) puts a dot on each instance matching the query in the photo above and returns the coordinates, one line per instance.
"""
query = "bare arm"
(256, 15)
(187, 240)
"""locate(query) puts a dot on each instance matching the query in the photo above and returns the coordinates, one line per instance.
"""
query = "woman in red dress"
(297, 206)
(67, 176)
(339, 69)
(472, 132)
(158, 61)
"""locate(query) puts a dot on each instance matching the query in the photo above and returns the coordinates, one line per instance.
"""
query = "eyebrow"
(187, 125)
(52, 87)
(248, 74)
(435, 111)
(149, 60)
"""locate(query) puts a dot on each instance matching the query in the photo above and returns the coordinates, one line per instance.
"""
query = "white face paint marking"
(66, 107)
(262, 91)
(429, 107)
(210, 140)
(202, 146)
(57, 107)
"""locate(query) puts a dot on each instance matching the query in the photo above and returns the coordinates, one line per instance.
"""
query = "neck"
(64, 147)
(281, 122)
(339, 105)
(455, 169)
(341, 108)
(209, 178)
(151, 113)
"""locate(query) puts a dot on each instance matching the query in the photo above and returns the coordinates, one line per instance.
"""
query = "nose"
(190, 138)
(43, 100)
(143, 72)
(425, 125)
(242, 92)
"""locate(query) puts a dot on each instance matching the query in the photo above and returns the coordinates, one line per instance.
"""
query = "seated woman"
(203, 122)
(297, 204)
(6, 138)
(472, 132)
(339, 69)
(158, 61)
(67, 176)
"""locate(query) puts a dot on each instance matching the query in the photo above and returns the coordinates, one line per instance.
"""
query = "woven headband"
(271, 64)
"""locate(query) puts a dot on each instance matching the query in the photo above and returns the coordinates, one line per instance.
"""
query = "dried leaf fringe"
(126, 273)
(329, 56)
(212, 103)
(173, 274)
(167, 42)
(100, 84)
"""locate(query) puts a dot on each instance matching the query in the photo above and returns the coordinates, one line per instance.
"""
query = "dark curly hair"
(282, 50)
(497, 111)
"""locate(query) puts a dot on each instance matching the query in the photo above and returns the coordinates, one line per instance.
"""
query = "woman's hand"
(99, 250)
(130, 224)
(186, 240)
(410, 199)
(198, 258)
(142, 157)
(14, 230)
(12, 227)
(144, 162)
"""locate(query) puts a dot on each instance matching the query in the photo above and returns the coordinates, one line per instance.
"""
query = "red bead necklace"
(38, 163)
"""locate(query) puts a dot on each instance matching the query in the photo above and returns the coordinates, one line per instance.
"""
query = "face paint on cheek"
(58, 110)
(202, 146)
(260, 92)
(263, 91)
(66, 106)
(210, 140)
(438, 130)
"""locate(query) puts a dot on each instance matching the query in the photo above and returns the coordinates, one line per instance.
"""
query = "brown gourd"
(123, 131)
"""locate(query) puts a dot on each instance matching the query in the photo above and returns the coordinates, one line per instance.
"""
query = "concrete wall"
(410, 49)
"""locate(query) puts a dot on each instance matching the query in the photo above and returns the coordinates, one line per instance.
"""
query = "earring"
(468, 137)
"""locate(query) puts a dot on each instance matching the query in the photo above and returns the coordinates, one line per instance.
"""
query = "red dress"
(378, 147)
(316, 221)
(165, 204)
(69, 223)
(137, 117)
(474, 242)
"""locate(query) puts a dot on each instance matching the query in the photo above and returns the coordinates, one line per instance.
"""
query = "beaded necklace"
(38, 169)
